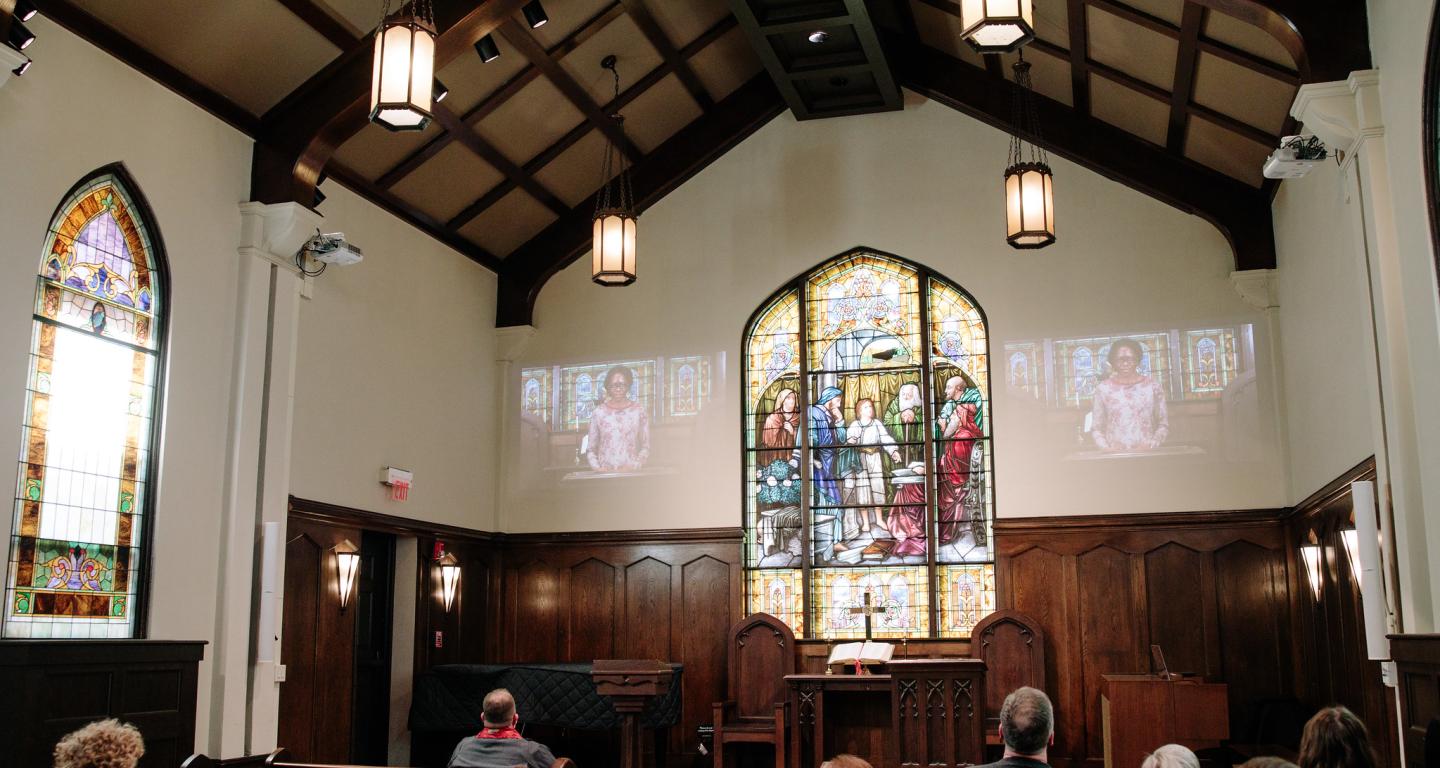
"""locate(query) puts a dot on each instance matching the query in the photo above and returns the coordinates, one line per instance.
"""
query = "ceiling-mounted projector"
(332, 248)
(1296, 156)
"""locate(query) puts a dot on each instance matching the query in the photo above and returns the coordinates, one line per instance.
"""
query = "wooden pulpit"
(630, 684)
(1142, 712)
(939, 711)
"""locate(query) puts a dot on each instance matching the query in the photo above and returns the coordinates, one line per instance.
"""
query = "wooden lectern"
(630, 684)
(1143, 712)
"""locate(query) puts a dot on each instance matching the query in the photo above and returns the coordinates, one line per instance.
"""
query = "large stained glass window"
(86, 464)
(867, 453)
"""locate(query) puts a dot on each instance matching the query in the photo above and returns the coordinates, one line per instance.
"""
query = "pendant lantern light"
(997, 26)
(401, 88)
(1029, 184)
(613, 256)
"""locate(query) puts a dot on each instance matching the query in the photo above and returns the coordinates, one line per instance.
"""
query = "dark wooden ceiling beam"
(1239, 211)
(521, 39)
(656, 36)
(339, 33)
(502, 94)
(485, 151)
(1187, 58)
(412, 215)
(525, 271)
(1079, 54)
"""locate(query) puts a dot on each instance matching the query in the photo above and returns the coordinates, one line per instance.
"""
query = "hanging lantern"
(997, 26)
(402, 84)
(1029, 187)
(613, 249)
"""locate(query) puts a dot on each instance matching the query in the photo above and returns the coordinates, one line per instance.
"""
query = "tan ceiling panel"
(470, 80)
(1129, 110)
(1243, 94)
(528, 122)
(1225, 151)
(1247, 37)
(1169, 10)
(1050, 74)
(658, 113)
(447, 182)
(566, 16)
(685, 21)
(361, 15)
(508, 223)
(575, 174)
(1052, 22)
(941, 31)
(726, 64)
(374, 150)
(1132, 48)
(219, 44)
(622, 38)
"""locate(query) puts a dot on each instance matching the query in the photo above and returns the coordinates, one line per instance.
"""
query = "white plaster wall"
(78, 109)
(924, 184)
(395, 369)
(1327, 340)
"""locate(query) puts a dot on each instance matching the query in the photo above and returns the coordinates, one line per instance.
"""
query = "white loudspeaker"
(1372, 583)
(269, 563)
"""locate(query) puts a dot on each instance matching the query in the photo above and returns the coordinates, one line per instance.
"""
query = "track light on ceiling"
(25, 10)
(439, 91)
(487, 49)
(535, 14)
(20, 36)
(24, 66)
(404, 60)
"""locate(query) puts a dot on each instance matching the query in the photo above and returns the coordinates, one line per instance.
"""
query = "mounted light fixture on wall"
(613, 250)
(402, 84)
(1310, 554)
(449, 579)
(1029, 184)
(997, 26)
(347, 562)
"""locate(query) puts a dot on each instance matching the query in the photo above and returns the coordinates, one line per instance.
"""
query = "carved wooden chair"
(761, 653)
(1012, 645)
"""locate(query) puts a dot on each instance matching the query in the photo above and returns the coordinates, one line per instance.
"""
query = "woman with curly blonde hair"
(101, 744)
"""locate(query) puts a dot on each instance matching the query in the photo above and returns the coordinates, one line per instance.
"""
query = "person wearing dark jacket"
(499, 744)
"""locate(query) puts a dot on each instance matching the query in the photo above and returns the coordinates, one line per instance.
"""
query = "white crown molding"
(1257, 287)
(276, 231)
(10, 59)
(511, 341)
(1343, 114)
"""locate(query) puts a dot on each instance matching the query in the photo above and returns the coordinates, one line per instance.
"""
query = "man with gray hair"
(1027, 726)
(499, 744)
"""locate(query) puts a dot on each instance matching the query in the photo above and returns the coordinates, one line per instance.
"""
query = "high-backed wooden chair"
(1012, 645)
(761, 650)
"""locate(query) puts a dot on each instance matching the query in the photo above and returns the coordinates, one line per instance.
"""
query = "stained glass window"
(86, 470)
(867, 453)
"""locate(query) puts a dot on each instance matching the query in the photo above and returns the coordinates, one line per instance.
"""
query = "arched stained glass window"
(86, 474)
(867, 453)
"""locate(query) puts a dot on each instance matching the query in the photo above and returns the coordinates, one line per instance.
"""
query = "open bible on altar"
(865, 653)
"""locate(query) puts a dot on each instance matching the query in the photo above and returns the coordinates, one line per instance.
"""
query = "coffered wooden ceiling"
(1182, 99)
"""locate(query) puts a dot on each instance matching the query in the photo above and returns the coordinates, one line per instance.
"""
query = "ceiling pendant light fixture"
(401, 88)
(1029, 187)
(612, 261)
(997, 26)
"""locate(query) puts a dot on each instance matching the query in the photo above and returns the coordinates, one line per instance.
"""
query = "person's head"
(1335, 738)
(498, 711)
(101, 744)
(865, 409)
(1027, 721)
(832, 399)
(788, 401)
(1267, 762)
(618, 381)
(1125, 356)
(1171, 756)
(954, 387)
(845, 761)
(909, 396)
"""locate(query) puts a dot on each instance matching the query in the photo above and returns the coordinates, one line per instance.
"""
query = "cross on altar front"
(867, 610)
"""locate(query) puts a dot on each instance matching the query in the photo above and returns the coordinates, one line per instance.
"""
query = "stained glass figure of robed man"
(827, 438)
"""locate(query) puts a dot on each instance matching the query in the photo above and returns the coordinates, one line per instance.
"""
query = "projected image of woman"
(619, 437)
(1128, 412)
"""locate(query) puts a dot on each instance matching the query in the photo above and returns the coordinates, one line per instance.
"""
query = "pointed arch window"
(85, 491)
(867, 453)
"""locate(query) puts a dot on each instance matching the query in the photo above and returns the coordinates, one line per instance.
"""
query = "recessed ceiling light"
(818, 36)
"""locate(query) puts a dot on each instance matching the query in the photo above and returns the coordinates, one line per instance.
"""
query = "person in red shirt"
(499, 744)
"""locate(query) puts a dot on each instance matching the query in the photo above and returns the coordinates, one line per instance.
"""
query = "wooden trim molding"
(1140, 521)
(1335, 489)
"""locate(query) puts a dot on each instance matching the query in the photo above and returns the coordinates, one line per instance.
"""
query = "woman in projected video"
(1128, 412)
(619, 438)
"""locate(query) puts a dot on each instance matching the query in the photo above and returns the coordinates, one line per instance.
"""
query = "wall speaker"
(1367, 571)
(269, 564)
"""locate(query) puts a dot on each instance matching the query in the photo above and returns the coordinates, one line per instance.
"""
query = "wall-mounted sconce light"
(1310, 553)
(1351, 539)
(449, 578)
(347, 561)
